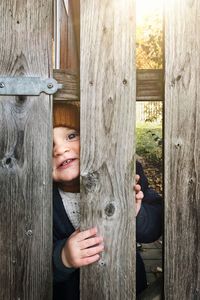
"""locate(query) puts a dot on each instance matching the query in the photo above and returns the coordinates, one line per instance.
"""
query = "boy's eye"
(73, 136)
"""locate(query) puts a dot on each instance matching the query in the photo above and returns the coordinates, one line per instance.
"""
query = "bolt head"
(2, 85)
(50, 85)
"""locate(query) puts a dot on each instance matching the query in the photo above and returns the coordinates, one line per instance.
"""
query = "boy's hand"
(138, 195)
(82, 248)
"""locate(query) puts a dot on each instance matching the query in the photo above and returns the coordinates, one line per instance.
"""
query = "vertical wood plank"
(64, 20)
(25, 154)
(182, 150)
(70, 36)
(108, 93)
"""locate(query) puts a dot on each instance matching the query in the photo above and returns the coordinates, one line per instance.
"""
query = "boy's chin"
(69, 185)
(71, 181)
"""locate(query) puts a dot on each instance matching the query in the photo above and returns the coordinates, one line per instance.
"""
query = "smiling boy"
(72, 248)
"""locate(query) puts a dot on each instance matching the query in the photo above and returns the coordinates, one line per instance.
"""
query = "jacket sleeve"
(62, 229)
(149, 220)
(60, 271)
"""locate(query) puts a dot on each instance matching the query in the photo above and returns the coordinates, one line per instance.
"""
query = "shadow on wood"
(153, 292)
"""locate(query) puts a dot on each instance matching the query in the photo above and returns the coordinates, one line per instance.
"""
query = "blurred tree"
(153, 111)
(149, 43)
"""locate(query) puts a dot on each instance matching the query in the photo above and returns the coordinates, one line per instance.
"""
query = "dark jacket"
(148, 229)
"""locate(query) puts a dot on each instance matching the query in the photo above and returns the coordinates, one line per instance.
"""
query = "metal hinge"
(28, 86)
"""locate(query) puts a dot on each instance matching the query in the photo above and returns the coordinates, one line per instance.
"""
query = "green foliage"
(149, 142)
(153, 111)
(149, 42)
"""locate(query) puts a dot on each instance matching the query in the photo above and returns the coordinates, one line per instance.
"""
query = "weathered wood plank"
(71, 85)
(25, 154)
(70, 36)
(75, 15)
(152, 277)
(151, 264)
(151, 254)
(182, 150)
(150, 85)
(154, 245)
(64, 27)
(153, 292)
(108, 93)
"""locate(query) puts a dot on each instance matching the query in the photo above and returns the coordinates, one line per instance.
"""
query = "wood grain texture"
(25, 154)
(63, 36)
(153, 292)
(108, 93)
(70, 36)
(71, 85)
(182, 150)
(149, 85)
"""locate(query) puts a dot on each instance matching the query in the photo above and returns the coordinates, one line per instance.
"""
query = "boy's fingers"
(87, 233)
(137, 188)
(89, 260)
(137, 178)
(90, 242)
(139, 196)
(92, 251)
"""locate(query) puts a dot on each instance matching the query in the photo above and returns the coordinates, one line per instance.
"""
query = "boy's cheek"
(55, 175)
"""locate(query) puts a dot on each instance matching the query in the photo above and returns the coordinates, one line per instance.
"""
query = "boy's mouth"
(66, 162)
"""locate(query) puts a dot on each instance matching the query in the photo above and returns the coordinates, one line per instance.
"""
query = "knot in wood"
(29, 232)
(90, 181)
(91, 82)
(125, 82)
(110, 209)
(7, 162)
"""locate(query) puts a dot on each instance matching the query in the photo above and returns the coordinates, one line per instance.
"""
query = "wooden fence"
(25, 154)
(182, 150)
(108, 93)
(107, 138)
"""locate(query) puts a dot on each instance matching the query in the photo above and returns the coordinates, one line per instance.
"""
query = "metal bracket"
(28, 86)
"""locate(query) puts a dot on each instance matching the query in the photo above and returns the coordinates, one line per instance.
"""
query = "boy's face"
(66, 155)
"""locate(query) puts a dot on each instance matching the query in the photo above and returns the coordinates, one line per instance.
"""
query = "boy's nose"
(59, 149)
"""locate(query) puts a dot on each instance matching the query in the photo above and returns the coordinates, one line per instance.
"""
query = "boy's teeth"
(67, 161)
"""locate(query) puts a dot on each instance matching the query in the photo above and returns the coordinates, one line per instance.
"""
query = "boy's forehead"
(62, 129)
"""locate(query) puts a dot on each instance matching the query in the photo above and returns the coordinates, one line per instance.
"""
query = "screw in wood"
(191, 181)
(2, 85)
